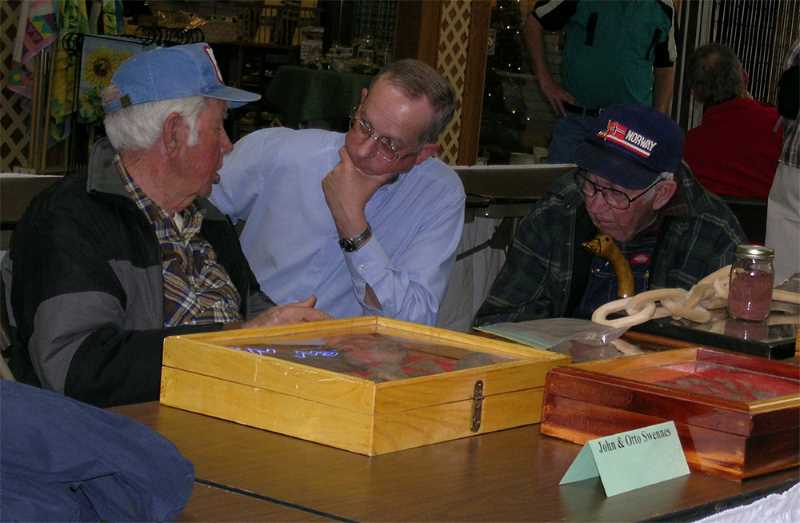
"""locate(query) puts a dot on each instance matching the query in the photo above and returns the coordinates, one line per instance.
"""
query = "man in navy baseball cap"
(626, 169)
(110, 262)
(630, 184)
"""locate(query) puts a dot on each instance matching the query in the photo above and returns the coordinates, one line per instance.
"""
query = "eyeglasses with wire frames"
(615, 199)
(387, 149)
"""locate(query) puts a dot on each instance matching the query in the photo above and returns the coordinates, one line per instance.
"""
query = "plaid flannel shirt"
(197, 289)
(698, 236)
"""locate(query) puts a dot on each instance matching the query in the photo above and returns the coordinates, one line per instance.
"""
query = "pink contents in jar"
(747, 330)
(750, 294)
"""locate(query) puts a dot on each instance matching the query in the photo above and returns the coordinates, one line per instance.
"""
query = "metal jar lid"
(754, 251)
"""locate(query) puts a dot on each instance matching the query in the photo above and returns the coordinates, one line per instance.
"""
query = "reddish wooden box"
(737, 416)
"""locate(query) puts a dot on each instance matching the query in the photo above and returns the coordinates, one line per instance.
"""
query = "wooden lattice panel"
(14, 109)
(452, 62)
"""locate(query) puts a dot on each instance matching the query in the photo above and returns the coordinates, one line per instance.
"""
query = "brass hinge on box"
(477, 406)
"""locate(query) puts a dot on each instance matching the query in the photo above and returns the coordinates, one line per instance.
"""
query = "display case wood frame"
(200, 375)
(733, 439)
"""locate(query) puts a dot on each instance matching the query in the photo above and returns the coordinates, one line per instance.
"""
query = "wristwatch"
(355, 243)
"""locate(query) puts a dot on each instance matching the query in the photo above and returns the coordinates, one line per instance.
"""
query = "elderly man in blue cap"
(632, 186)
(106, 264)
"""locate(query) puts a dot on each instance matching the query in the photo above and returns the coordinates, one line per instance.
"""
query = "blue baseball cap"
(167, 73)
(631, 146)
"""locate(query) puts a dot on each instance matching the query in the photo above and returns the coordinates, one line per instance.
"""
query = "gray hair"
(417, 79)
(138, 127)
(714, 73)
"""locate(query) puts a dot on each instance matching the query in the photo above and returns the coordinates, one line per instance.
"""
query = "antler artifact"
(602, 245)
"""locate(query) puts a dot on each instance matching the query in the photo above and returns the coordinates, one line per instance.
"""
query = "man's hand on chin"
(347, 191)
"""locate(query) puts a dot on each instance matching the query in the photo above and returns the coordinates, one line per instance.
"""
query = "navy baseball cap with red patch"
(631, 146)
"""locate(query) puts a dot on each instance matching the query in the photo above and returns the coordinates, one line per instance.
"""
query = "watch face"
(353, 244)
(347, 245)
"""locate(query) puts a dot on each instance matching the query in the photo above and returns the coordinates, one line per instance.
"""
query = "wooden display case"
(368, 385)
(737, 416)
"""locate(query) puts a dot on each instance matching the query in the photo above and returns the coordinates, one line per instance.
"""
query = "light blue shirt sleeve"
(410, 285)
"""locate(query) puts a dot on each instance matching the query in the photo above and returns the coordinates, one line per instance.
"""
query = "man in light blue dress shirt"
(367, 221)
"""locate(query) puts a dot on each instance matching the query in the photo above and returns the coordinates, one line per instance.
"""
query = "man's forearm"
(114, 366)
(407, 288)
(662, 88)
(534, 37)
(371, 299)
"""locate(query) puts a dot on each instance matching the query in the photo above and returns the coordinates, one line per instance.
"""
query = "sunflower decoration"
(98, 68)
(101, 66)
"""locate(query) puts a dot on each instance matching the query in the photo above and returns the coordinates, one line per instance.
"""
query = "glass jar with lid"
(752, 276)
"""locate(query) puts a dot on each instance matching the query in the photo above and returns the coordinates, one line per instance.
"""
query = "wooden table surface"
(216, 504)
(509, 475)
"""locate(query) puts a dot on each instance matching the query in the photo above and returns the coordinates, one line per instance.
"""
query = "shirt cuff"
(366, 266)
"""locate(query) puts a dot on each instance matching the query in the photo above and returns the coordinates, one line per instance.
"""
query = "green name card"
(630, 460)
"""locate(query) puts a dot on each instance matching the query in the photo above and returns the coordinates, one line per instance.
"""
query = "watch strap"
(355, 243)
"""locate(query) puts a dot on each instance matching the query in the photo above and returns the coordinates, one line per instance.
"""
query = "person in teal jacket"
(616, 52)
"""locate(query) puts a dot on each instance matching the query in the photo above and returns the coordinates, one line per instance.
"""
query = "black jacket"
(86, 292)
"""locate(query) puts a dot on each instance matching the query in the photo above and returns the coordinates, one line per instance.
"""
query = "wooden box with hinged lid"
(737, 416)
(368, 385)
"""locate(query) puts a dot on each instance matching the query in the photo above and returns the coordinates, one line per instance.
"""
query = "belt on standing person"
(583, 111)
